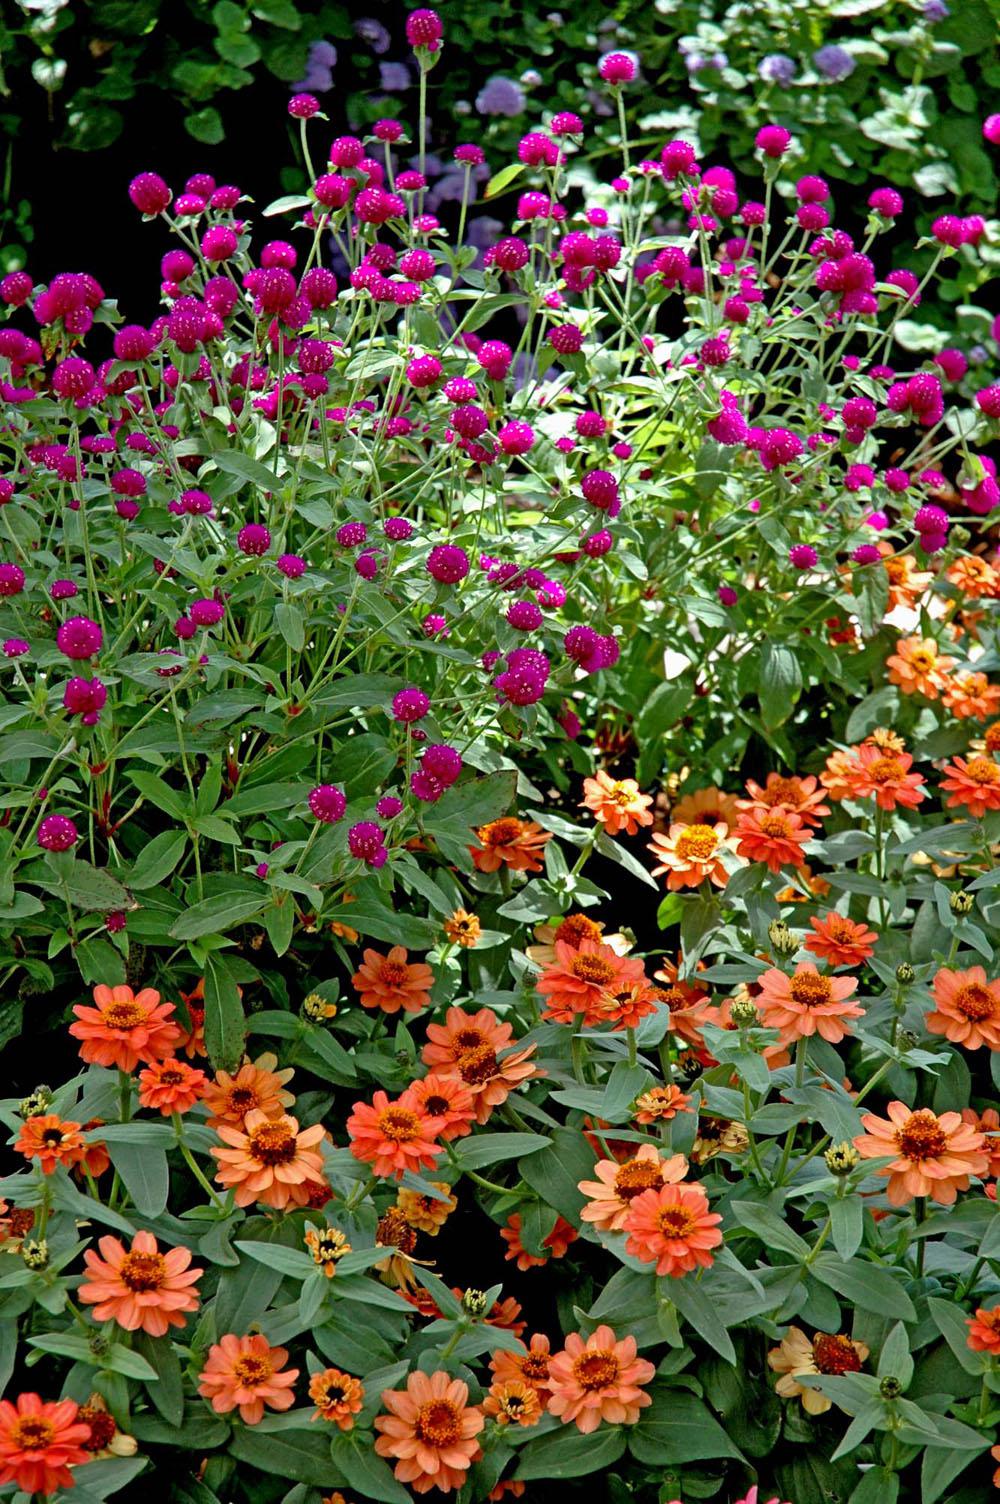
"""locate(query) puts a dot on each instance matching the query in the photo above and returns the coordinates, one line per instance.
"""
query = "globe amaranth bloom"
(85, 698)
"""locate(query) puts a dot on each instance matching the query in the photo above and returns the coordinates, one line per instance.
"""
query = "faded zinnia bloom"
(424, 1212)
(692, 854)
(256, 1087)
(598, 1378)
(269, 1160)
(660, 1104)
(617, 1185)
(797, 1357)
(246, 1373)
(463, 928)
(429, 1432)
(616, 803)
(967, 1008)
(393, 983)
(516, 844)
(930, 1155)
(806, 1003)
(513, 1402)
(673, 1228)
(124, 1028)
(142, 1289)
(40, 1441)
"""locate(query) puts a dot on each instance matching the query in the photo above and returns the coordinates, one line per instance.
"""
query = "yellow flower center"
(33, 1433)
(273, 1144)
(636, 1176)
(500, 832)
(143, 1271)
(675, 1222)
(399, 1125)
(983, 770)
(809, 989)
(975, 1002)
(921, 1136)
(696, 843)
(439, 1423)
(590, 968)
(886, 770)
(595, 1370)
(123, 1015)
(252, 1369)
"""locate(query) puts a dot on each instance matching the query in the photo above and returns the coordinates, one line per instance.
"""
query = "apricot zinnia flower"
(660, 1103)
(598, 1378)
(802, 795)
(530, 1364)
(143, 1289)
(673, 1228)
(617, 1185)
(513, 843)
(806, 1003)
(616, 803)
(171, 1086)
(988, 1124)
(124, 1028)
(269, 1160)
(337, 1396)
(690, 854)
(425, 1212)
(448, 1098)
(840, 941)
(394, 1137)
(52, 1141)
(391, 982)
(579, 977)
(479, 1050)
(797, 1357)
(918, 667)
(973, 784)
(256, 1087)
(775, 836)
(431, 1431)
(984, 1330)
(931, 1156)
(968, 1008)
(513, 1402)
(869, 772)
(40, 1440)
(706, 807)
(247, 1373)
(972, 696)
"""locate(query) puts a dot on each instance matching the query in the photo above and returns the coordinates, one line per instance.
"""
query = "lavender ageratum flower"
(393, 78)
(318, 75)
(778, 68)
(374, 33)
(500, 96)
(834, 62)
(936, 10)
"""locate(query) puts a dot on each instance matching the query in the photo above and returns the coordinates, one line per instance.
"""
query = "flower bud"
(904, 973)
(37, 1103)
(474, 1302)
(35, 1254)
(890, 1388)
(841, 1158)
(961, 903)
(317, 1009)
(743, 1013)
(783, 942)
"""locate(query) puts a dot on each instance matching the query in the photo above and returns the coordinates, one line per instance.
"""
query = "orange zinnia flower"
(431, 1431)
(617, 1185)
(660, 1104)
(256, 1087)
(513, 843)
(907, 583)
(512, 1401)
(973, 784)
(931, 1156)
(598, 1378)
(692, 854)
(394, 1137)
(246, 1373)
(573, 929)
(971, 696)
(802, 795)
(143, 1289)
(806, 1003)
(269, 1160)
(391, 982)
(988, 1124)
(52, 1141)
(557, 1242)
(984, 1330)
(918, 667)
(171, 1086)
(673, 1228)
(775, 836)
(124, 1028)
(578, 979)
(709, 806)
(797, 1357)
(479, 1049)
(840, 941)
(427, 1213)
(530, 1364)
(337, 1396)
(40, 1441)
(616, 804)
(968, 1008)
(447, 1098)
(973, 575)
(871, 772)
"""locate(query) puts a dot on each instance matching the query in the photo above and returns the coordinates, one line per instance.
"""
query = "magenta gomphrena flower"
(509, 254)
(565, 123)
(368, 564)
(423, 371)
(596, 545)
(410, 705)
(57, 833)
(133, 342)
(591, 425)
(388, 130)
(524, 616)
(469, 421)
(219, 243)
(678, 159)
(366, 842)
(63, 590)
(802, 556)
(15, 647)
(727, 596)
(495, 356)
(254, 538)
(327, 803)
(601, 490)
(11, 579)
(931, 519)
(948, 230)
(991, 129)
(886, 201)
(516, 437)
(332, 190)
(73, 377)
(388, 807)
(85, 698)
(149, 193)
(6, 490)
(424, 29)
(524, 679)
(397, 529)
(442, 763)
(207, 612)
(896, 481)
(447, 563)
(16, 288)
(566, 339)
(291, 566)
(351, 534)
(773, 140)
(866, 553)
(303, 106)
(779, 446)
(988, 400)
(617, 68)
(347, 151)
(79, 637)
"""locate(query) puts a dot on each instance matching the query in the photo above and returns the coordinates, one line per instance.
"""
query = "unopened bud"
(890, 1388)
(37, 1103)
(474, 1302)
(905, 973)
(961, 903)
(783, 942)
(35, 1255)
(841, 1158)
(743, 1013)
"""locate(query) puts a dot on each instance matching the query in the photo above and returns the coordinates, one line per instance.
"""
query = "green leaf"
(847, 1224)
(677, 1428)
(554, 1172)
(88, 888)
(502, 180)
(301, 1456)
(235, 462)
(167, 1390)
(215, 915)
(939, 1468)
(287, 1260)
(144, 1170)
(950, 1321)
(468, 805)
(895, 1361)
(291, 624)
(568, 1453)
(769, 1227)
(780, 683)
(366, 1472)
(695, 1305)
(869, 1286)
(225, 1029)
(490, 1148)
(157, 860)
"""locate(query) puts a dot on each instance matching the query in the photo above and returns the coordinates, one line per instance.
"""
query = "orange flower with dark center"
(973, 785)
(463, 928)
(839, 940)
(256, 1087)
(246, 1373)
(577, 979)
(691, 855)
(169, 1086)
(660, 1104)
(803, 795)
(984, 1330)
(513, 1402)
(513, 843)
(271, 1160)
(427, 1213)
(430, 1431)
(394, 1137)
(531, 1364)
(930, 1155)
(967, 1008)
(337, 1396)
(807, 1003)
(869, 772)
(775, 836)
(617, 1185)
(52, 1141)
(673, 1228)
(125, 1028)
(598, 1379)
(709, 806)
(449, 1098)
(616, 804)
(479, 1050)
(393, 983)
(40, 1441)
(143, 1289)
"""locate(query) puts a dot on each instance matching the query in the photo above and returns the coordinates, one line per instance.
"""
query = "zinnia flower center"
(393, 1231)
(535, 1368)
(983, 770)
(576, 928)
(399, 1124)
(840, 929)
(595, 1370)
(143, 1271)
(32, 1433)
(923, 661)
(697, 843)
(975, 1002)
(274, 1144)
(810, 989)
(102, 1427)
(437, 1107)
(500, 832)
(886, 770)
(775, 826)
(123, 1016)
(392, 974)
(251, 1369)
(333, 1394)
(921, 1136)
(621, 794)
(477, 1065)
(636, 1176)
(468, 1039)
(835, 1354)
(439, 1423)
(243, 1099)
(171, 1076)
(592, 969)
(52, 1137)
(782, 791)
(675, 1222)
